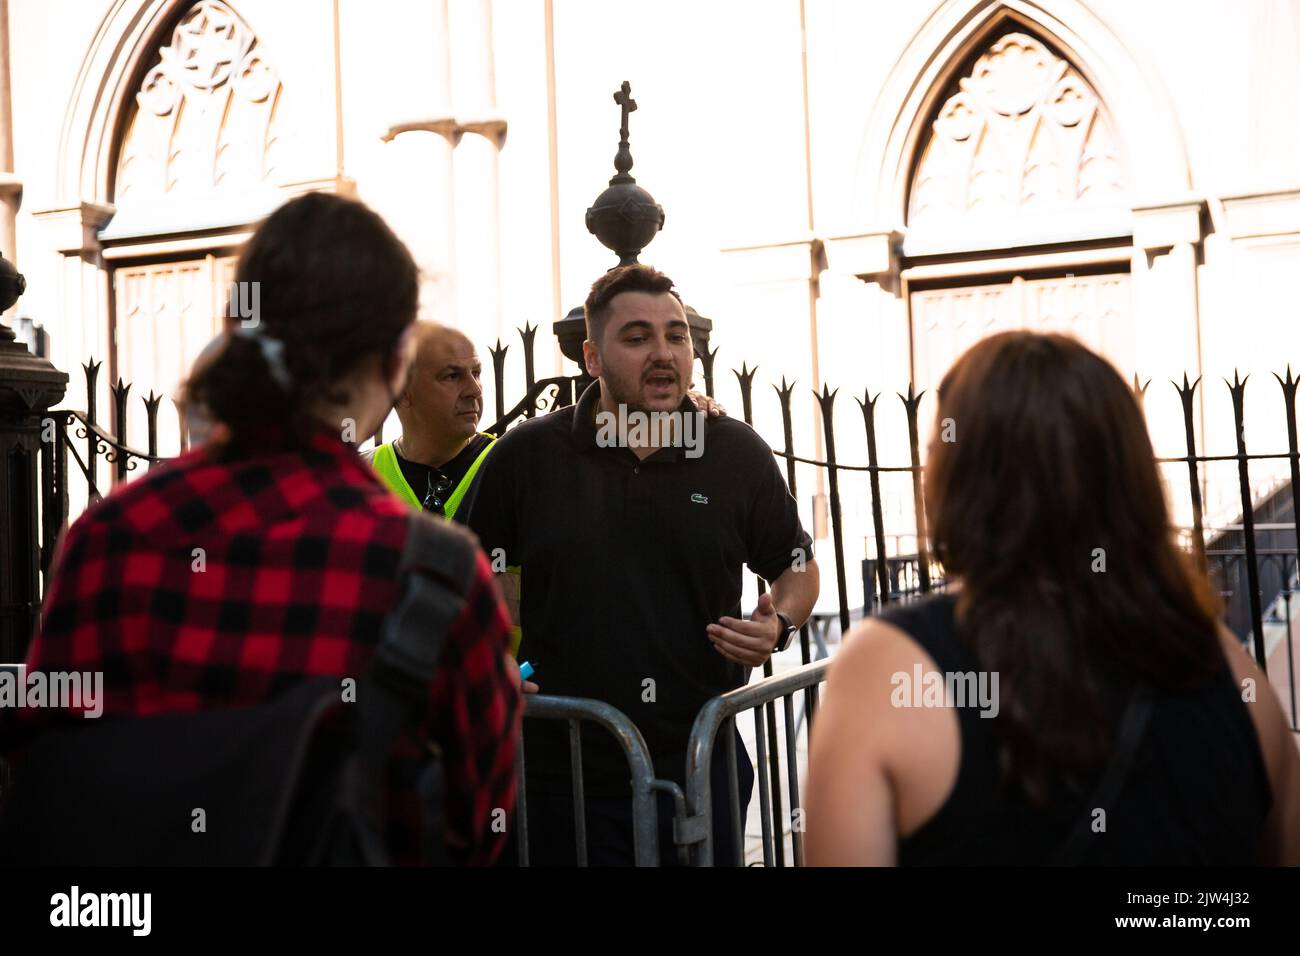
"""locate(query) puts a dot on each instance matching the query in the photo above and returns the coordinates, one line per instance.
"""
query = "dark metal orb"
(12, 284)
(625, 218)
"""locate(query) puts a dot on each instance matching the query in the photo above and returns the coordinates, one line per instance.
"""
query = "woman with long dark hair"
(1072, 698)
(272, 553)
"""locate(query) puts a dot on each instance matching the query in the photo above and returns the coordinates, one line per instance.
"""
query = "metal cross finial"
(623, 159)
(623, 97)
(624, 217)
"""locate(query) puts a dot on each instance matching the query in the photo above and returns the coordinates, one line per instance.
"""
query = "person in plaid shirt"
(225, 576)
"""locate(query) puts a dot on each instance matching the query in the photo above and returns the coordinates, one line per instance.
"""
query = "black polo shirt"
(624, 563)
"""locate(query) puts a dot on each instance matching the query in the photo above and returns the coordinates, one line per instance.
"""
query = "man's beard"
(628, 392)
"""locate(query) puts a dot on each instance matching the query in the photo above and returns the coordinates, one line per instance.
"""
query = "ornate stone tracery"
(206, 113)
(1023, 132)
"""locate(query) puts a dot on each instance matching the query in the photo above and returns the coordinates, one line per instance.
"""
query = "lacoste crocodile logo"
(699, 499)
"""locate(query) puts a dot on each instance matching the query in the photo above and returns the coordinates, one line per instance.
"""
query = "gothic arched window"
(1022, 131)
(204, 119)
(1018, 163)
(198, 156)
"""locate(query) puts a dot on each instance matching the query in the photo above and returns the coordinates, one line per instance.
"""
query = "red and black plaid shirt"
(223, 577)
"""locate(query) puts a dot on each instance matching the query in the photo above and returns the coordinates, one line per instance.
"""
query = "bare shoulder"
(850, 799)
(867, 669)
(917, 747)
(875, 647)
(1281, 841)
(1255, 688)
(873, 640)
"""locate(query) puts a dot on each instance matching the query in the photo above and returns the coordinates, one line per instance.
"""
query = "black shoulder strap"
(1137, 714)
(436, 572)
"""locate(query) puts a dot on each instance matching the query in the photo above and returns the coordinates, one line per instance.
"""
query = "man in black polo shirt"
(632, 543)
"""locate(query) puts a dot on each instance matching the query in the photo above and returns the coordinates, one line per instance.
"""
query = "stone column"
(11, 189)
(1167, 335)
(474, 169)
(28, 387)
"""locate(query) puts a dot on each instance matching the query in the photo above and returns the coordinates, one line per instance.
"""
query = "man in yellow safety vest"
(432, 464)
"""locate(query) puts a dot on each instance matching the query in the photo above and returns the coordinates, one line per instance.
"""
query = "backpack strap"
(1137, 714)
(437, 570)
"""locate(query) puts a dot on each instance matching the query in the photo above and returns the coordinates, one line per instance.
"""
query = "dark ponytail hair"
(335, 287)
(1052, 461)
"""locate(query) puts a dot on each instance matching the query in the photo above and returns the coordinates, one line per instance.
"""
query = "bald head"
(444, 401)
(435, 341)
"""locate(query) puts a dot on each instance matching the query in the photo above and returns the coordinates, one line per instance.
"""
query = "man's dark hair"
(636, 277)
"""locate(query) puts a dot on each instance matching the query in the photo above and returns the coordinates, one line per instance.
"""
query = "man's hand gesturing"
(748, 642)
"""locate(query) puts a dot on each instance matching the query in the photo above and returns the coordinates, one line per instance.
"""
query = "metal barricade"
(645, 811)
(694, 831)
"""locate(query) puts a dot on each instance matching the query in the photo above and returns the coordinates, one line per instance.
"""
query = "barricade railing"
(645, 811)
(694, 831)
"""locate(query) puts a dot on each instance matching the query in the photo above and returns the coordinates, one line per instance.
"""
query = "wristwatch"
(788, 631)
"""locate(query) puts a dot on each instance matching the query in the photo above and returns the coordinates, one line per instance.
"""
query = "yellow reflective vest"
(390, 472)
(384, 462)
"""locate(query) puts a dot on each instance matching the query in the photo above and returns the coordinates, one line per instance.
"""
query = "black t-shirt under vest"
(418, 475)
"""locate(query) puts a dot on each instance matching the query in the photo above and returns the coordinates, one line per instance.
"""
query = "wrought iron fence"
(1253, 559)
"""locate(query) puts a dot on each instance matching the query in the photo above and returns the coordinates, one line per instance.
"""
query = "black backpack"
(297, 780)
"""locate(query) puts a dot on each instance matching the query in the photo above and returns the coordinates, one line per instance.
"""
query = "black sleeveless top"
(1196, 794)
